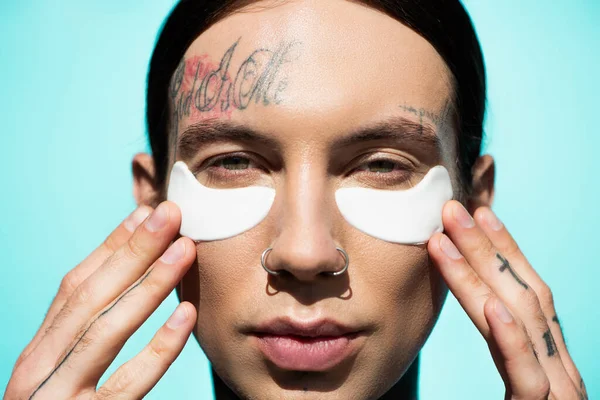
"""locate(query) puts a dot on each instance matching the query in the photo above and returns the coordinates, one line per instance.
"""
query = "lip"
(317, 345)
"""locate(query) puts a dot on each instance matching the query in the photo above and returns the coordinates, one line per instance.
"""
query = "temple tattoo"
(439, 120)
(506, 266)
(550, 343)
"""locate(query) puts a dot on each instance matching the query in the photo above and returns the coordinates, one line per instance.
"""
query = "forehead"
(311, 66)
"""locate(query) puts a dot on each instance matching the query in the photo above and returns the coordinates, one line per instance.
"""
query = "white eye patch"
(409, 216)
(214, 214)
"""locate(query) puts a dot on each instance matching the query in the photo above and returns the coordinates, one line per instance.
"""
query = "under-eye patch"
(408, 216)
(214, 214)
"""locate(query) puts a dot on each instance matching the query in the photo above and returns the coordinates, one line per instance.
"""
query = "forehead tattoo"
(202, 89)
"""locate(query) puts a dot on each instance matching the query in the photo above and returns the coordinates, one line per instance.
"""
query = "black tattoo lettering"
(421, 112)
(84, 333)
(200, 89)
(177, 79)
(257, 80)
(550, 343)
(506, 266)
(555, 319)
(211, 88)
(439, 120)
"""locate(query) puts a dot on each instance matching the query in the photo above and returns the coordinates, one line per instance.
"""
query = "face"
(307, 97)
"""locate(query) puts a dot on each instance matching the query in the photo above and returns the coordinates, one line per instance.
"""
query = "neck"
(405, 389)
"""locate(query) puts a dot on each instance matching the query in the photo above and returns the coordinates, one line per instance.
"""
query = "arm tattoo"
(84, 333)
(550, 343)
(506, 266)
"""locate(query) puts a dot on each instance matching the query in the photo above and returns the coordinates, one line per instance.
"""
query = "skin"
(331, 88)
(331, 67)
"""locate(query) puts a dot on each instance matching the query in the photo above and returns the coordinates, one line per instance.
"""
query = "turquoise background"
(72, 77)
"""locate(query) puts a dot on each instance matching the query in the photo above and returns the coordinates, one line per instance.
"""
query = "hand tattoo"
(550, 343)
(506, 266)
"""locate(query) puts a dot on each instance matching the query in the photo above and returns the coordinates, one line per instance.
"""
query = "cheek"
(406, 293)
(223, 280)
(397, 276)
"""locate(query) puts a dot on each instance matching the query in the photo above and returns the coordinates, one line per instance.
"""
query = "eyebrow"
(215, 131)
(398, 129)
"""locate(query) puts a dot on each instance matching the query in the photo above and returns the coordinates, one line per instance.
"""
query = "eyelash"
(404, 168)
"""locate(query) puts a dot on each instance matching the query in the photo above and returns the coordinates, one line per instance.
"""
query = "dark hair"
(443, 23)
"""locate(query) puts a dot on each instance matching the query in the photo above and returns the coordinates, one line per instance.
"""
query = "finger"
(84, 269)
(135, 378)
(523, 375)
(498, 273)
(464, 283)
(505, 243)
(124, 267)
(100, 341)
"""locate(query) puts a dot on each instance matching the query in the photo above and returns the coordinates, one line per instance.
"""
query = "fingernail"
(136, 218)
(174, 253)
(463, 217)
(449, 248)
(178, 318)
(493, 221)
(502, 312)
(158, 219)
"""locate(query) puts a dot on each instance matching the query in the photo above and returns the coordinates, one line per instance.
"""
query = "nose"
(304, 247)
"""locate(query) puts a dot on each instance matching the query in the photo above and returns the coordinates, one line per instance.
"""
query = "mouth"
(317, 345)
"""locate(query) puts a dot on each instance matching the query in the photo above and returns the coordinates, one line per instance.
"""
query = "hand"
(100, 304)
(508, 302)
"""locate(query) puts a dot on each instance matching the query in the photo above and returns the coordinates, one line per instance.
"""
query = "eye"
(384, 166)
(385, 171)
(380, 166)
(232, 163)
(229, 168)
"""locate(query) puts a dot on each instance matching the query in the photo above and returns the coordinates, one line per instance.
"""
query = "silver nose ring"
(336, 273)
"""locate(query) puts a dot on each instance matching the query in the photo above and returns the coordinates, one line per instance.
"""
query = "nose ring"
(336, 273)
